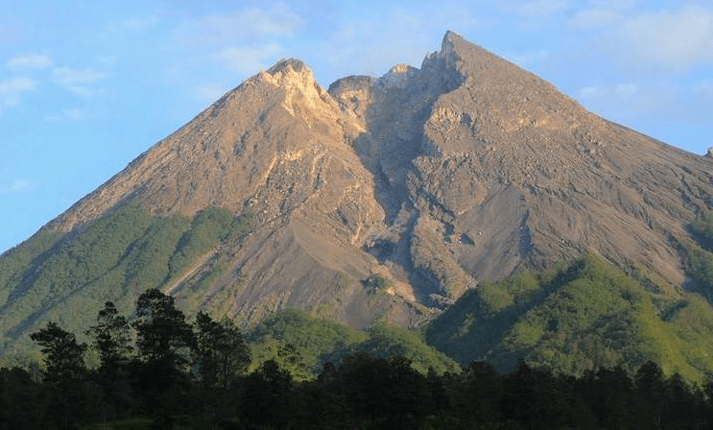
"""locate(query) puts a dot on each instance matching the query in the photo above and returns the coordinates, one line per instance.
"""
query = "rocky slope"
(380, 198)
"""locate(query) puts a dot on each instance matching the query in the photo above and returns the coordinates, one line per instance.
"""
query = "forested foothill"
(587, 344)
(161, 371)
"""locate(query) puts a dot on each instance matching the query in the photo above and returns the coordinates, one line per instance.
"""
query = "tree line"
(163, 368)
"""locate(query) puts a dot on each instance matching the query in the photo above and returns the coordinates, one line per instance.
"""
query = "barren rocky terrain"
(389, 197)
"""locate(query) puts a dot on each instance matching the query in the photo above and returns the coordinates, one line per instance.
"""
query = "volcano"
(377, 199)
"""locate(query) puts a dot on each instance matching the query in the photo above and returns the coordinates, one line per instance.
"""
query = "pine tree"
(164, 341)
(221, 356)
(112, 339)
(64, 374)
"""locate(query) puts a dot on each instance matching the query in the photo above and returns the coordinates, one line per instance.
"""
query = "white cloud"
(105, 59)
(617, 5)
(12, 89)
(669, 40)
(18, 186)
(139, 24)
(373, 42)
(537, 8)
(71, 114)
(67, 76)
(208, 93)
(78, 81)
(227, 28)
(609, 91)
(29, 62)
(248, 60)
(588, 19)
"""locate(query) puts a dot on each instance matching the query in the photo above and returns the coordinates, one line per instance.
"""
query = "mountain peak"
(382, 192)
(300, 88)
(289, 66)
(287, 72)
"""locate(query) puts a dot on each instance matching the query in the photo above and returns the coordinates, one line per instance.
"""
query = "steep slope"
(273, 153)
(506, 173)
(581, 317)
(379, 199)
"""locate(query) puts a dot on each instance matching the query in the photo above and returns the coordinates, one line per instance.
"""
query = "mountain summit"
(378, 199)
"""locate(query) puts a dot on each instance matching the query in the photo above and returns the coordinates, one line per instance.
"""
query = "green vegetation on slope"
(14, 263)
(581, 318)
(699, 255)
(173, 374)
(302, 344)
(114, 258)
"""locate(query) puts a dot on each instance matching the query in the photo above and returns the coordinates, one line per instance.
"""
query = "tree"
(221, 351)
(650, 395)
(112, 339)
(64, 357)
(164, 341)
(480, 393)
(64, 374)
(221, 356)
(18, 395)
(269, 396)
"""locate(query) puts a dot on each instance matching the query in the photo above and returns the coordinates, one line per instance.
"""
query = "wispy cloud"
(78, 81)
(70, 114)
(28, 62)
(537, 8)
(217, 29)
(18, 186)
(669, 40)
(609, 91)
(12, 89)
(376, 39)
(248, 60)
(139, 23)
(208, 93)
(592, 18)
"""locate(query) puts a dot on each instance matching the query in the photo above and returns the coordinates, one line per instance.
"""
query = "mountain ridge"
(377, 199)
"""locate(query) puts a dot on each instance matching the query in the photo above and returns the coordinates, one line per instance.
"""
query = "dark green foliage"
(275, 337)
(387, 340)
(20, 394)
(268, 396)
(112, 340)
(64, 375)
(147, 262)
(64, 357)
(302, 344)
(13, 263)
(221, 356)
(699, 256)
(377, 283)
(221, 351)
(703, 231)
(580, 318)
(479, 391)
(208, 228)
(363, 391)
(114, 258)
(386, 392)
(87, 259)
(164, 342)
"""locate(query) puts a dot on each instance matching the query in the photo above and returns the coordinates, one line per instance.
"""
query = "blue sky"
(85, 87)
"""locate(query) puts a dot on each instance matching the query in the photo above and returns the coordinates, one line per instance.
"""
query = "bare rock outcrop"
(389, 197)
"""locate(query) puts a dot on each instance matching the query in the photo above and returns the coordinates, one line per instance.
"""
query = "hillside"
(380, 199)
(582, 317)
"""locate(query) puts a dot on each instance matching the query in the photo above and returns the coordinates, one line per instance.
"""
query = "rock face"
(389, 197)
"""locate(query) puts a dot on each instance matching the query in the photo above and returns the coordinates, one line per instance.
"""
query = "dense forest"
(160, 371)
(586, 344)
